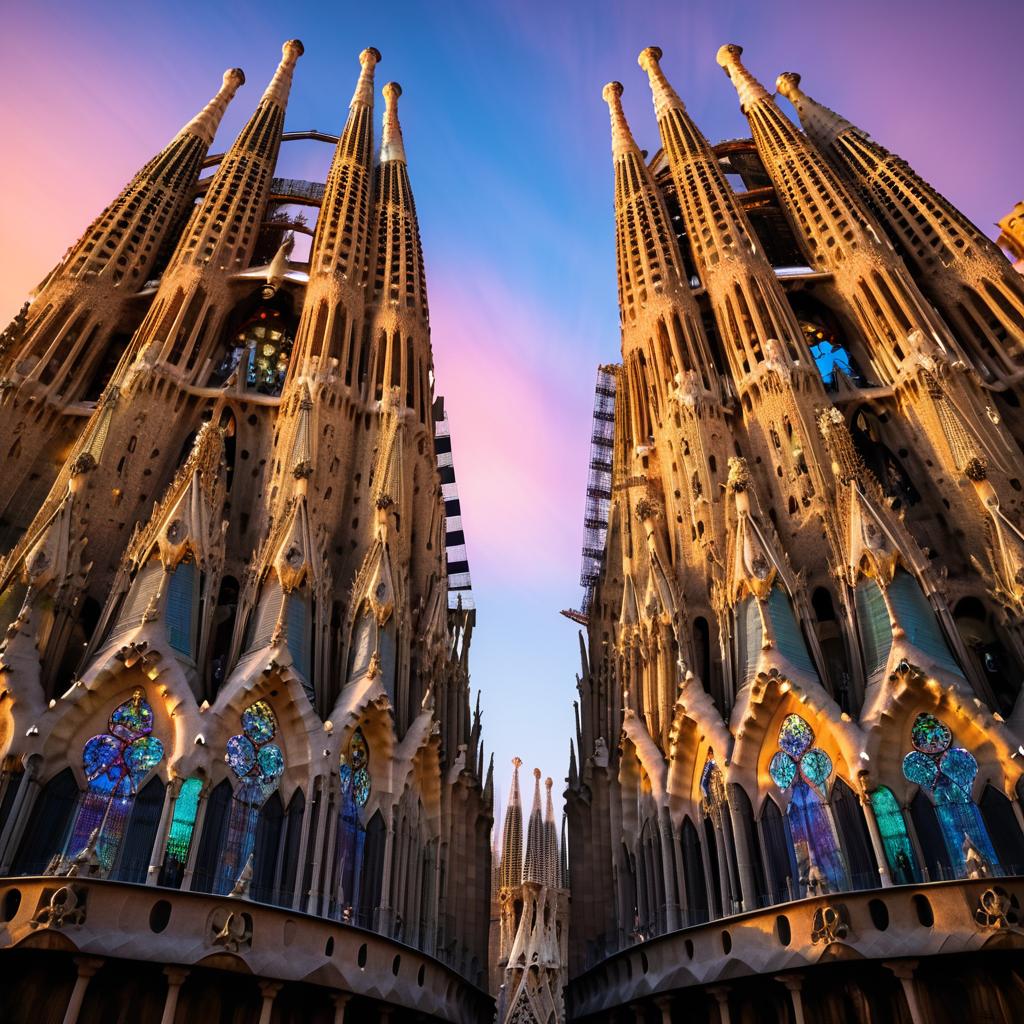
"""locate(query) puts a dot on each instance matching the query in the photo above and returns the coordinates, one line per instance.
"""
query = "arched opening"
(866, 431)
(223, 630)
(140, 835)
(372, 879)
(778, 856)
(215, 823)
(833, 648)
(265, 850)
(44, 834)
(257, 345)
(1003, 829)
(856, 841)
(892, 826)
(828, 343)
(991, 656)
(693, 876)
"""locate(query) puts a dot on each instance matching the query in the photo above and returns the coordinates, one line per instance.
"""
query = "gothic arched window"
(947, 773)
(892, 826)
(259, 351)
(258, 764)
(354, 787)
(805, 769)
(114, 763)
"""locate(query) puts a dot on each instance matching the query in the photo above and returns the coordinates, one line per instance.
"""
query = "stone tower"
(802, 669)
(233, 664)
(533, 912)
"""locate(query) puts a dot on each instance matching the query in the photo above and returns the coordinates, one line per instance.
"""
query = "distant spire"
(551, 871)
(533, 865)
(748, 88)
(281, 84)
(821, 124)
(391, 145)
(511, 873)
(205, 124)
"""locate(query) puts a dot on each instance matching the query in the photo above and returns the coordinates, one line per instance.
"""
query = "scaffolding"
(599, 489)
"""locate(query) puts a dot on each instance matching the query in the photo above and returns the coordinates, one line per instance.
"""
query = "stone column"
(269, 990)
(748, 890)
(340, 1002)
(721, 994)
(794, 983)
(156, 856)
(21, 808)
(665, 1005)
(904, 970)
(666, 838)
(87, 967)
(873, 830)
(175, 978)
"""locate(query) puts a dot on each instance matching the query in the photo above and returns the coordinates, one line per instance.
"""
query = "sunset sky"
(508, 146)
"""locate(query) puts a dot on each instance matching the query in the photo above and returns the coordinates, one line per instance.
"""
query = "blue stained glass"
(133, 718)
(100, 754)
(813, 831)
(270, 761)
(241, 755)
(258, 722)
(358, 754)
(144, 753)
(345, 776)
(361, 786)
(782, 769)
(816, 766)
(959, 765)
(929, 735)
(920, 768)
(795, 736)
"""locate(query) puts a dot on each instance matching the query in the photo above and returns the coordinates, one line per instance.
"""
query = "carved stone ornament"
(66, 906)
(230, 929)
(997, 909)
(176, 531)
(829, 924)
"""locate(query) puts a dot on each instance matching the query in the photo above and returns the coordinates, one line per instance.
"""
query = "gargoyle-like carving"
(830, 924)
(66, 906)
(997, 908)
(231, 930)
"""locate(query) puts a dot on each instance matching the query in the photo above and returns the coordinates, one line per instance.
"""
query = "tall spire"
(222, 232)
(533, 864)
(205, 124)
(511, 872)
(64, 337)
(391, 145)
(958, 265)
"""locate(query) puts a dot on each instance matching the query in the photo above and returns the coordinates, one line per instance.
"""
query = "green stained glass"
(893, 828)
(358, 754)
(929, 735)
(142, 754)
(920, 768)
(795, 736)
(270, 762)
(179, 837)
(816, 766)
(361, 786)
(782, 769)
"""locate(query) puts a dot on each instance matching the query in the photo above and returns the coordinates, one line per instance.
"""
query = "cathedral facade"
(241, 777)
(800, 729)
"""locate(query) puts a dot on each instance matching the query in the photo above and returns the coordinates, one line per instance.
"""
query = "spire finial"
(748, 88)
(665, 97)
(622, 138)
(205, 123)
(368, 60)
(517, 763)
(820, 123)
(391, 145)
(281, 83)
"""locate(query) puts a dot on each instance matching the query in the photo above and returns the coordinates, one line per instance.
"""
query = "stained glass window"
(115, 763)
(806, 768)
(258, 763)
(354, 785)
(260, 350)
(948, 773)
(892, 826)
(179, 836)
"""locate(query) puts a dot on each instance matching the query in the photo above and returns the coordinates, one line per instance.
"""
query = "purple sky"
(508, 147)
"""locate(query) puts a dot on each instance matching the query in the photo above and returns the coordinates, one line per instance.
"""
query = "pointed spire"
(748, 88)
(280, 85)
(391, 145)
(511, 873)
(205, 124)
(551, 870)
(533, 865)
(822, 125)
